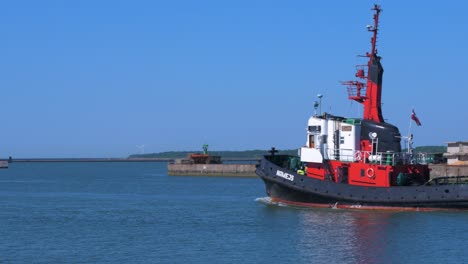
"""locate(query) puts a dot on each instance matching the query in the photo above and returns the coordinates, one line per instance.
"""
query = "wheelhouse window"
(315, 129)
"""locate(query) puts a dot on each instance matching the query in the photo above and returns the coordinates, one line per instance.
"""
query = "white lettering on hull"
(285, 175)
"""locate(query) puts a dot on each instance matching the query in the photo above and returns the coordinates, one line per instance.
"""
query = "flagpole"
(410, 138)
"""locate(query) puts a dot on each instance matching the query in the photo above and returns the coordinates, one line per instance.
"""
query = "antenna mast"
(369, 94)
(374, 29)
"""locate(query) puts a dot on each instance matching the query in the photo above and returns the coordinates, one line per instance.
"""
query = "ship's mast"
(374, 29)
(370, 94)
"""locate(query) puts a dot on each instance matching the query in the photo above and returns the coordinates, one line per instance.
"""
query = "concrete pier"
(248, 170)
(444, 170)
(229, 170)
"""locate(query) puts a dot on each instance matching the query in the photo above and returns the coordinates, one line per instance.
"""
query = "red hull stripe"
(362, 207)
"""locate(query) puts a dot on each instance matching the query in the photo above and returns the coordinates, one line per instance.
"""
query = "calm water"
(135, 213)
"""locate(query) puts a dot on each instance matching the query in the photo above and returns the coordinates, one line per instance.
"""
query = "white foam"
(268, 201)
(264, 200)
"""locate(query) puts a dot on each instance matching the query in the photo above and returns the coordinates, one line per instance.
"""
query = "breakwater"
(91, 160)
(248, 170)
(241, 160)
(240, 169)
(229, 170)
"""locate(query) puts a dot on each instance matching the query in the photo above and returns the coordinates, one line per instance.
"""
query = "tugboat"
(358, 162)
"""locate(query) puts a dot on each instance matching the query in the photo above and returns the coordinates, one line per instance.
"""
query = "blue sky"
(97, 78)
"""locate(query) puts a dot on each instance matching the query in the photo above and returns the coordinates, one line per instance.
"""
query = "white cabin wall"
(315, 154)
(350, 137)
(324, 139)
(332, 126)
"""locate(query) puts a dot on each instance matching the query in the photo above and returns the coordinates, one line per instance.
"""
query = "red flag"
(415, 118)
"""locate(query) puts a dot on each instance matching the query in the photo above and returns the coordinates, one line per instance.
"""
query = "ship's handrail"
(381, 158)
(448, 180)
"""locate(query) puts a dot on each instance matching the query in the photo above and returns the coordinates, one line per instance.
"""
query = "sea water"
(136, 213)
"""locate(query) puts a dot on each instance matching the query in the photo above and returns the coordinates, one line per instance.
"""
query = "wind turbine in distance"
(141, 148)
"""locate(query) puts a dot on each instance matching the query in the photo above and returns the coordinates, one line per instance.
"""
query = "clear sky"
(97, 78)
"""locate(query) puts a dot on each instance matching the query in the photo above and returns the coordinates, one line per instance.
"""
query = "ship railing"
(354, 92)
(340, 154)
(381, 158)
(404, 158)
(448, 180)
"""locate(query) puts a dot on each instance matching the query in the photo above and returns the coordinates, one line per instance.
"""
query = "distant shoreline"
(247, 155)
(108, 160)
(255, 154)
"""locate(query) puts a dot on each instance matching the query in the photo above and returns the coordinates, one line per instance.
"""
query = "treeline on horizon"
(246, 154)
(430, 149)
(256, 154)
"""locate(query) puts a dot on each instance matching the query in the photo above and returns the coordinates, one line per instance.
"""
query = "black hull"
(286, 186)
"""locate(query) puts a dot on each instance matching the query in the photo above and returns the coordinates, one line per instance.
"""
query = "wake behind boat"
(358, 162)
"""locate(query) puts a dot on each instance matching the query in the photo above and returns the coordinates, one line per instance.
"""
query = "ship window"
(346, 128)
(315, 129)
(362, 173)
(341, 140)
(311, 141)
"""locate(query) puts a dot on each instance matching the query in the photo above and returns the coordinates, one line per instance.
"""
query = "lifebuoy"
(370, 173)
(357, 155)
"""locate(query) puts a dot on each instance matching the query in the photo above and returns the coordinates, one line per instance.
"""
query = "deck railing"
(381, 158)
